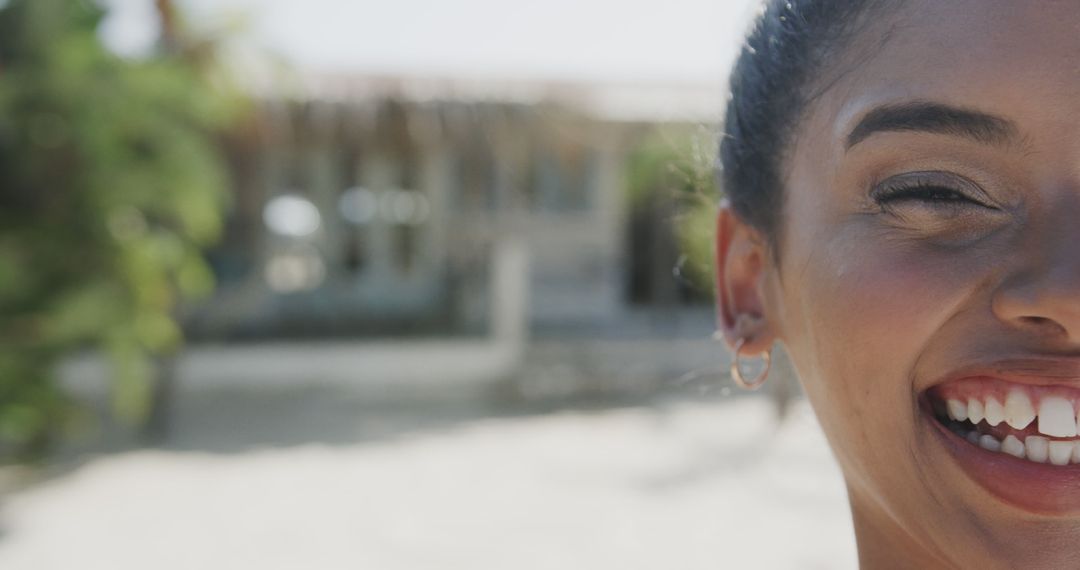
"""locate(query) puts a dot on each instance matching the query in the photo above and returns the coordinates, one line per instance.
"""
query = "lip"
(1035, 487)
(1035, 371)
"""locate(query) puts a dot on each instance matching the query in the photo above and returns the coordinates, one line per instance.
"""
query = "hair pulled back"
(782, 59)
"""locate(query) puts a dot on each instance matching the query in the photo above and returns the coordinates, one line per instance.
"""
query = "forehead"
(1018, 59)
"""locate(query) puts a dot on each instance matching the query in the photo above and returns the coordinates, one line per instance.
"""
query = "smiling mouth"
(1038, 424)
(1019, 438)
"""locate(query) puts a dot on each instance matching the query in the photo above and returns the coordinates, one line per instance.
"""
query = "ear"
(742, 258)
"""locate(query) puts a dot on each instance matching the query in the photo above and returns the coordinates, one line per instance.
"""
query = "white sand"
(682, 486)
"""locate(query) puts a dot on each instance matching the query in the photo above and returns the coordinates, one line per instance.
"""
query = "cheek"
(882, 301)
(859, 310)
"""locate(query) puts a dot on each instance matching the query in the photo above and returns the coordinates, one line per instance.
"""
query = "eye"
(930, 190)
(924, 193)
(941, 207)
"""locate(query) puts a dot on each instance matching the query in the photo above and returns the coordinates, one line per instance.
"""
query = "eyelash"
(932, 194)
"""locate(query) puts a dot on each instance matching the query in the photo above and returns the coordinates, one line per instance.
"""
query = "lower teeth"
(1034, 448)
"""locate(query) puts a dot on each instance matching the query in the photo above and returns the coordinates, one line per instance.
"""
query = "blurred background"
(389, 285)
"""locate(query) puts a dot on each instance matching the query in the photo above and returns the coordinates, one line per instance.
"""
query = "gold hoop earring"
(736, 370)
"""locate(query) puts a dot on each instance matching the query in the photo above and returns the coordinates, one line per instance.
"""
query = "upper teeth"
(957, 410)
(1057, 416)
(1018, 410)
(994, 412)
(975, 410)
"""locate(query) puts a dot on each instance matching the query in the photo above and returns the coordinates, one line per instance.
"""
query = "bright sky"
(596, 40)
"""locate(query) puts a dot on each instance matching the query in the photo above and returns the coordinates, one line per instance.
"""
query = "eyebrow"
(933, 118)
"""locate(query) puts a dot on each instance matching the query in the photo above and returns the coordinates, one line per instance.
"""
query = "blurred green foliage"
(676, 164)
(110, 183)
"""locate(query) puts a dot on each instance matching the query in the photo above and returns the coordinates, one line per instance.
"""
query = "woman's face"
(930, 252)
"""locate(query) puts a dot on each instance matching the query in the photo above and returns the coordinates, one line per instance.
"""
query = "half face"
(927, 283)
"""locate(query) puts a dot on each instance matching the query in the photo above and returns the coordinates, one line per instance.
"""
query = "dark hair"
(782, 59)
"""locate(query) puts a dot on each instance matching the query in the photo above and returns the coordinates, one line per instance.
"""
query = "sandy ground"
(686, 485)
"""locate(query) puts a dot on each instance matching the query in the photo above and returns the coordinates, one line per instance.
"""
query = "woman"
(903, 181)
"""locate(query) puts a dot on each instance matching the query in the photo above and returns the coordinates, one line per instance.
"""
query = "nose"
(1044, 296)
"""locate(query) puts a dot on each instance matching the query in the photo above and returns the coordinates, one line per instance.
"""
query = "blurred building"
(371, 206)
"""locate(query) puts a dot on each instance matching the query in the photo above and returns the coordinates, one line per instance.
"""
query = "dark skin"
(919, 243)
